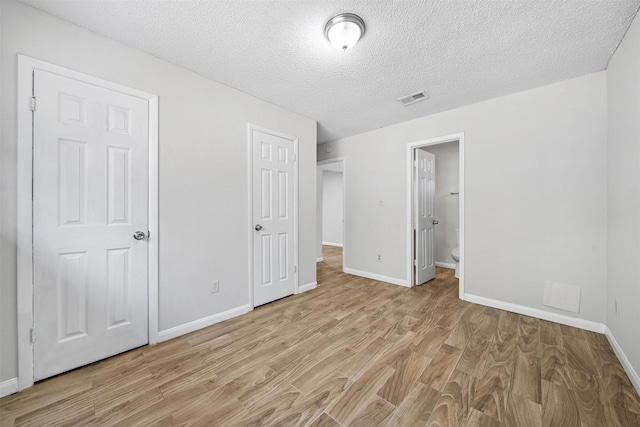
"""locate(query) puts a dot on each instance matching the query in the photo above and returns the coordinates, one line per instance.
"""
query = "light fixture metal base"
(344, 17)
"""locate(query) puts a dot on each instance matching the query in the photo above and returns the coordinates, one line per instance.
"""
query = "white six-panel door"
(274, 270)
(425, 216)
(90, 179)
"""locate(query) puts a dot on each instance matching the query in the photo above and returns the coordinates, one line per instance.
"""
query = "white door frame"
(296, 275)
(26, 67)
(411, 147)
(342, 160)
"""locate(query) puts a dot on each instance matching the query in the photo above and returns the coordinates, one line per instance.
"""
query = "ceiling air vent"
(413, 98)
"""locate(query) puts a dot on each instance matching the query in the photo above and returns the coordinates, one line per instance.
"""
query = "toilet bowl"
(455, 254)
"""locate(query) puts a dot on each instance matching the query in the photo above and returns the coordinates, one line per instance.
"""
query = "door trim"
(26, 67)
(411, 147)
(250, 128)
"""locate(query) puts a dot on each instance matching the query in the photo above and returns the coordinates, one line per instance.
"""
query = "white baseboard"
(540, 314)
(338, 245)
(307, 287)
(319, 259)
(374, 276)
(176, 331)
(8, 387)
(446, 265)
(633, 375)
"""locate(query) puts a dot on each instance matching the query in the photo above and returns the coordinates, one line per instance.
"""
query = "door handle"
(139, 235)
(435, 222)
(258, 227)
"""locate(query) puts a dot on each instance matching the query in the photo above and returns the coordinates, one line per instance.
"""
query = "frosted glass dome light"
(344, 31)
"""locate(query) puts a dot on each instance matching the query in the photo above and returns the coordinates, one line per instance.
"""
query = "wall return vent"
(413, 98)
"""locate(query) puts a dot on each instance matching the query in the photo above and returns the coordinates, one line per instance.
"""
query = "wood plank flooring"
(354, 352)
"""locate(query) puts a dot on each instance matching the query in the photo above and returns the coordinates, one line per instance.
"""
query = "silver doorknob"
(435, 222)
(258, 227)
(139, 235)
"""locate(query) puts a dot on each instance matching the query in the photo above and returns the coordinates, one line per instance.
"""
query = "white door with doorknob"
(273, 195)
(90, 213)
(424, 214)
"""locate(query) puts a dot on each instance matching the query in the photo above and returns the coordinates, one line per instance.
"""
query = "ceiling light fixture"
(343, 31)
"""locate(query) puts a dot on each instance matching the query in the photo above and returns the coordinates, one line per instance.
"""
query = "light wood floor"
(354, 352)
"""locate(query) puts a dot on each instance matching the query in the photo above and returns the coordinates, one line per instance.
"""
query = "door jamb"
(411, 147)
(342, 160)
(250, 128)
(26, 67)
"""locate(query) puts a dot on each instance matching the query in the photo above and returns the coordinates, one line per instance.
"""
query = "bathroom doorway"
(448, 215)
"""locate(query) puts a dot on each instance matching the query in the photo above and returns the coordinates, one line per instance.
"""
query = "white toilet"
(455, 253)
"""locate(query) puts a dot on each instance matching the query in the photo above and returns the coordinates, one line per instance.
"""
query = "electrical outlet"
(379, 258)
(215, 286)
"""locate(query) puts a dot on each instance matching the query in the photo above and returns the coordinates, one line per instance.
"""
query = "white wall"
(332, 208)
(623, 203)
(204, 224)
(535, 179)
(447, 206)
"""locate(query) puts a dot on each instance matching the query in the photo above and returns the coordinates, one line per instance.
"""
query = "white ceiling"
(458, 51)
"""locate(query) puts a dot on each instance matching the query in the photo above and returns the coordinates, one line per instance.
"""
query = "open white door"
(424, 211)
(273, 195)
(90, 222)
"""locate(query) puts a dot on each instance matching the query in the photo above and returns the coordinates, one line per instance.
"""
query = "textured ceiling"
(458, 51)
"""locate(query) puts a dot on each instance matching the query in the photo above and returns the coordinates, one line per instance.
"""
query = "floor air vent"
(413, 98)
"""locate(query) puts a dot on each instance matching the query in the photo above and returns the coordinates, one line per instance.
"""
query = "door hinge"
(33, 335)
(295, 158)
(295, 268)
(33, 103)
